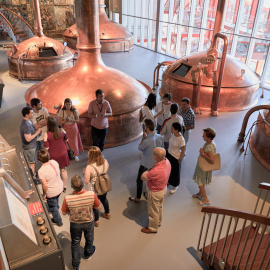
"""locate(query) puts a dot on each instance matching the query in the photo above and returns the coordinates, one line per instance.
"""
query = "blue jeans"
(53, 208)
(99, 137)
(76, 230)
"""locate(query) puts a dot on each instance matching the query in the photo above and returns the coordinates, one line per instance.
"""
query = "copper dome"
(238, 91)
(125, 94)
(38, 57)
(113, 36)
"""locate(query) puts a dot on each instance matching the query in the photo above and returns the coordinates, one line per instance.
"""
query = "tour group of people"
(166, 130)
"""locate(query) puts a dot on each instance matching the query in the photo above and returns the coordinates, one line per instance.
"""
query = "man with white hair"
(157, 179)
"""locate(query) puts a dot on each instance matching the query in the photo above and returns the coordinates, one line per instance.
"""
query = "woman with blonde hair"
(96, 163)
(55, 142)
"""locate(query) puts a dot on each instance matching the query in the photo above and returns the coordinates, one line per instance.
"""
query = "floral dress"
(201, 177)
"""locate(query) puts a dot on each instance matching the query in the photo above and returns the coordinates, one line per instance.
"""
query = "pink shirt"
(158, 176)
(100, 122)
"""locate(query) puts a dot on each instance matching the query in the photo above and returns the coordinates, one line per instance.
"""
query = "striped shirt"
(80, 206)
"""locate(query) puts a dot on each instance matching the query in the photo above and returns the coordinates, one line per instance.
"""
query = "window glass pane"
(247, 17)
(231, 15)
(242, 48)
(145, 22)
(264, 21)
(164, 37)
(183, 41)
(153, 24)
(198, 13)
(187, 12)
(138, 31)
(207, 39)
(211, 15)
(259, 56)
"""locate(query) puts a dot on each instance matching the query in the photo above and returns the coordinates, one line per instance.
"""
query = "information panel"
(19, 212)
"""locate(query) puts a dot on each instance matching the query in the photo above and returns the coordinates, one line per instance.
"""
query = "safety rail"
(245, 245)
(242, 246)
(19, 25)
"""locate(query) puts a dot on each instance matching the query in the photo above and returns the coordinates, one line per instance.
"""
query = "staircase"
(14, 26)
(231, 239)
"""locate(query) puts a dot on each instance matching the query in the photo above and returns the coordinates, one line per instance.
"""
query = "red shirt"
(159, 175)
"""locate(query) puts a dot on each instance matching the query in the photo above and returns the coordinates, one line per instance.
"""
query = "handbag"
(206, 166)
(70, 153)
(103, 183)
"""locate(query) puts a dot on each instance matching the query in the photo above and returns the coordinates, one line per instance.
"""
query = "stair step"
(259, 255)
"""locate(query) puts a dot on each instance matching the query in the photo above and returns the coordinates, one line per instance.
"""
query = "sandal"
(197, 195)
(203, 203)
(96, 223)
(133, 200)
(108, 216)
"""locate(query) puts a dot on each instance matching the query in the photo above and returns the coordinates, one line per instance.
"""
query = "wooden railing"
(236, 239)
(17, 23)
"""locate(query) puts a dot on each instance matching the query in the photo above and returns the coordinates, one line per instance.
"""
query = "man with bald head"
(157, 179)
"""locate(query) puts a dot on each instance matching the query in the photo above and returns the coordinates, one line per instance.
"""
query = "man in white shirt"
(40, 120)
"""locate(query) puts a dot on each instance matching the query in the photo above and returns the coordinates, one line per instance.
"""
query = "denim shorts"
(31, 155)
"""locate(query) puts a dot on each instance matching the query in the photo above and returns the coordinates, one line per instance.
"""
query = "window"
(181, 27)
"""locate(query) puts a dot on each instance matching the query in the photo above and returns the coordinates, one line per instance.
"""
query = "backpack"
(103, 183)
(141, 117)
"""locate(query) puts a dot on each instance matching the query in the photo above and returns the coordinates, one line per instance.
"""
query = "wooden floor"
(119, 242)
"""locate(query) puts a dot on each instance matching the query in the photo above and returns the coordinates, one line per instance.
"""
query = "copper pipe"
(37, 18)
(156, 70)
(219, 18)
(198, 88)
(216, 93)
(241, 135)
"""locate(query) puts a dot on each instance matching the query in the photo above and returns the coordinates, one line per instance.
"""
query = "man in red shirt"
(79, 205)
(157, 179)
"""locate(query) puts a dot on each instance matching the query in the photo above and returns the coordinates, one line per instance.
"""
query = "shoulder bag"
(103, 183)
(207, 166)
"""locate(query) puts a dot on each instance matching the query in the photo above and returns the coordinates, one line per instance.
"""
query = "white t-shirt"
(165, 115)
(51, 173)
(40, 116)
(175, 145)
(147, 113)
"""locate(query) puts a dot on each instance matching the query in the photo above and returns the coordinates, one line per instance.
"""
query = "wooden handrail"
(239, 214)
(265, 186)
(5, 18)
(18, 17)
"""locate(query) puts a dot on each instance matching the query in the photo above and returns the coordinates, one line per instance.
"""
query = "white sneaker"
(174, 189)
(77, 158)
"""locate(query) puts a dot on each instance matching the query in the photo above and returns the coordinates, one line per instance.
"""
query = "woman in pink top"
(69, 117)
(52, 185)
